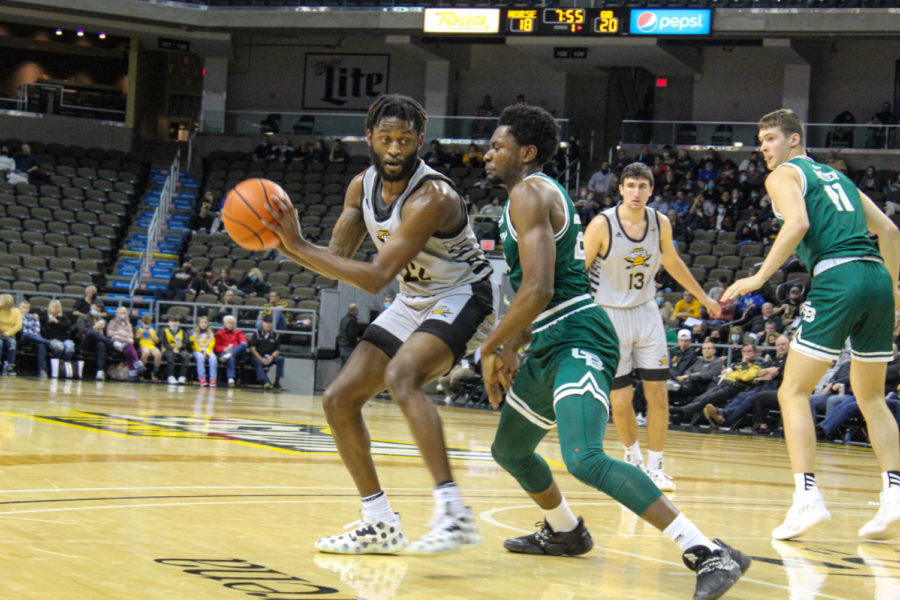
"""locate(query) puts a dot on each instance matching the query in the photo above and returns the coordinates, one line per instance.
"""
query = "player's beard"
(407, 166)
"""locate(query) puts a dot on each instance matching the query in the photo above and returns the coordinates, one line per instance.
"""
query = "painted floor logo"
(303, 438)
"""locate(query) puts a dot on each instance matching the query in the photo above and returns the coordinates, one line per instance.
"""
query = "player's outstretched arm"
(431, 210)
(677, 269)
(888, 240)
(785, 190)
(596, 240)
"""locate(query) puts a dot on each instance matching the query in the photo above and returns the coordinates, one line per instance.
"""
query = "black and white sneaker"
(716, 570)
(547, 541)
(366, 536)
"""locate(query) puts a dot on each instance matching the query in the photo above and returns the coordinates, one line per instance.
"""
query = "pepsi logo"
(647, 21)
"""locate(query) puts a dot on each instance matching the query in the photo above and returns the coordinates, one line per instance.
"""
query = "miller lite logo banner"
(344, 82)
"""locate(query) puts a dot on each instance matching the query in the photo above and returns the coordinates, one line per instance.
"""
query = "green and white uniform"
(850, 295)
(566, 379)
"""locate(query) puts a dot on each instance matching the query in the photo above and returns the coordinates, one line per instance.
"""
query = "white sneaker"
(100, 376)
(182, 379)
(661, 479)
(641, 420)
(450, 532)
(886, 523)
(366, 536)
(804, 514)
(119, 346)
(170, 380)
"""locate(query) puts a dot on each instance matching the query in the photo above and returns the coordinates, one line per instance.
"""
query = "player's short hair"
(532, 126)
(399, 106)
(786, 120)
(637, 170)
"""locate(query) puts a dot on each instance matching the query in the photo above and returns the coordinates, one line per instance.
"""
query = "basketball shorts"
(574, 353)
(462, 318)
(642, 343)
(851, 300)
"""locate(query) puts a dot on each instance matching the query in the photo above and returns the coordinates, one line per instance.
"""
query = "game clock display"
(566, 21)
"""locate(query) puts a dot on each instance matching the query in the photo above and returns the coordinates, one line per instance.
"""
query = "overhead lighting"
(58, 31)
(80, 33)
(102, 36)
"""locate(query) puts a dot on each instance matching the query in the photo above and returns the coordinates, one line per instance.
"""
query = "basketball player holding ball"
(446, 307)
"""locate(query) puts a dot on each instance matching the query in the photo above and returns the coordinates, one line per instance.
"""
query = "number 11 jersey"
(624, 276)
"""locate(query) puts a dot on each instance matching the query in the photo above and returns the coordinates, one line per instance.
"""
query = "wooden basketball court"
(134, 491)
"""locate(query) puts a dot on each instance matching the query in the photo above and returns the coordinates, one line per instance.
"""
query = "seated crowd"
(63, 343)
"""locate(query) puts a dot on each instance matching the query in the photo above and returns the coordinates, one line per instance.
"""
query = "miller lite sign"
(346, 82)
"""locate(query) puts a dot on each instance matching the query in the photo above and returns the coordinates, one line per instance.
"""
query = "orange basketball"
(245, 210)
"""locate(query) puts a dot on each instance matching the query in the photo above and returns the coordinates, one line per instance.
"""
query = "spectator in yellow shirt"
(10, 326)
(687, 307)
(203, 344)
(148, 342)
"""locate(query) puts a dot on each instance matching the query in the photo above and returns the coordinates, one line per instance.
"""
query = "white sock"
(891, 481)
(561, 518)
(633, 454)
(377, 507)
(684, 533)
(54, 368)
(805, 482)
(654, 460)
(448, 493)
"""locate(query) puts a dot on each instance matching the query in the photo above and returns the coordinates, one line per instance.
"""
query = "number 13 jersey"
(624, 277)
(447, 261)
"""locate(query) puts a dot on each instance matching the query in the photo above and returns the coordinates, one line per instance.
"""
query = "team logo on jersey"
(807, 312)
(383, 235)
(442, 310)
(638, 258)
(663, 362)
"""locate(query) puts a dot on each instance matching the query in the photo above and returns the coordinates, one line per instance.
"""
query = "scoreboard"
(565, 21)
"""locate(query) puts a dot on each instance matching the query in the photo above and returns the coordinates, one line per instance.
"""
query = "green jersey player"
(853, 295)
(574, 352)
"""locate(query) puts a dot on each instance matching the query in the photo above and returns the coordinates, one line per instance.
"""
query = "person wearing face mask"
(252, 284)
(120, 332)
(738, 378)
(178, 284)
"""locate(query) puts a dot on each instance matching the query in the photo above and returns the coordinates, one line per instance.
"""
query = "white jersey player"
(624, 248)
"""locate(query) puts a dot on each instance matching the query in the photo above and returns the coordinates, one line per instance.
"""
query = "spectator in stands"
(435, 157)
(205, 284)
(225, 282)
(454, 157)
(175, 346)
(83, 305)
(28, 164)
(253, 284)
(835, 391)
(738, 378)
(681, 359)
(753, 157)
(265, 350)
(670, 185)
(790, 308)
(494, 209)
(620, 161)
(201, 221)
(275, 307)
(599, 181)
(178, 285)
(688, 307)
(7, 164)
(10, 326)
(681, 205)
(203, 345)
(89, 332)
(209, 201)
(722, 221)
(482, 125)
(870, 182)
(748, 234)
(680, 232)
(708, 173)
(767, 380)
(659, 203)
(348, 333)
(318, 154)
(769, 335)
(645, 156)
(147, 339)
(283, 152)
(474, 157)
(229, 301)
(31, 335)
(660, 168)
(230, 345)
(886, 116)
(767, 314)
(56, 327)
(837, 163)
(701, 374)
(684, 164)
(338, 153)
(586, 205)
(263, 149)
(697, 219)
(613, 195)
(893, 186)
(122, 336)
(451, 383)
